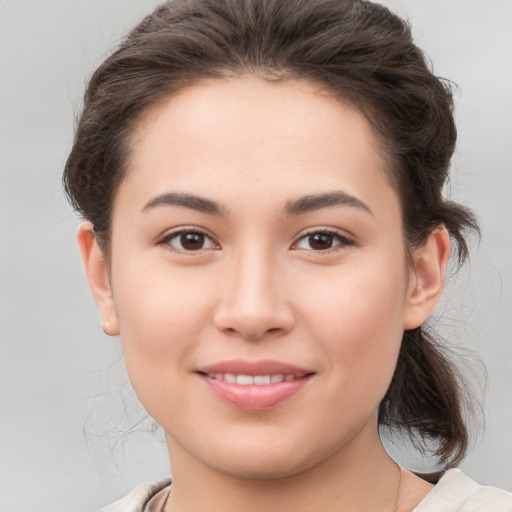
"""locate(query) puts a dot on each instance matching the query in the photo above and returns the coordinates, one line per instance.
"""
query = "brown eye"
(322, 241)
(190, 241)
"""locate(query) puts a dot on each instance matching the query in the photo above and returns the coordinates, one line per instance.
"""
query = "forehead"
(247, 110)
(246, 132)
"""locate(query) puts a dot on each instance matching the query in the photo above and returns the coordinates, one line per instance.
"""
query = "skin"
(259, 289)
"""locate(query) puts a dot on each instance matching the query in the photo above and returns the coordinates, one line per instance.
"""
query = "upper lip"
(262, 367)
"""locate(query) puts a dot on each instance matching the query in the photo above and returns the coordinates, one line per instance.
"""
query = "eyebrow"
(328, 200)
(296, 207)
(191, 201)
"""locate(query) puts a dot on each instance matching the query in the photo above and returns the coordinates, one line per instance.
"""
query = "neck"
(360, 476)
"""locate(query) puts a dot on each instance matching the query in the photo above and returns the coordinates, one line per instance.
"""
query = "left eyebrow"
(328, 200)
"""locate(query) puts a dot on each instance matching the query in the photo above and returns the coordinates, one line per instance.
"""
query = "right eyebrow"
(191, 201)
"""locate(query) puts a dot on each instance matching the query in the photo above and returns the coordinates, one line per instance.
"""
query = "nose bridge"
(253, 300)
(251, 283)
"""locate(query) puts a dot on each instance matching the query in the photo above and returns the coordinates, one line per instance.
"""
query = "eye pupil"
(320, 241)
(192, 241)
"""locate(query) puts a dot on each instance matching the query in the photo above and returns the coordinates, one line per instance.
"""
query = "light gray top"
(455, 492)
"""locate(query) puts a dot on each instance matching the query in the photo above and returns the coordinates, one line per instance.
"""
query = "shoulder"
(456, 492)
(139, 499)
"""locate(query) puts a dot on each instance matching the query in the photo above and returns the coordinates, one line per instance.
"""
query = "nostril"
(253, 323)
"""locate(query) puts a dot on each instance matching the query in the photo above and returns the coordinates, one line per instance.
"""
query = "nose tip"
(254, 304)
(262, 320)
(249, 330)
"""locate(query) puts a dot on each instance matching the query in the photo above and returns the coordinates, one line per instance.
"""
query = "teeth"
(249, 380)
(245, 380)
(262, 379)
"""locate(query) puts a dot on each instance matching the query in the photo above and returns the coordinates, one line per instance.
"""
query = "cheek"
(161, 316)
(357, 318)
(157, 302)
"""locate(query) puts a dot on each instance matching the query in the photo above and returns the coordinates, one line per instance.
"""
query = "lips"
(254, 386)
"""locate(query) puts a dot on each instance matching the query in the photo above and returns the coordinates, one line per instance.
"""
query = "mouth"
(254, 386)
(252, 380)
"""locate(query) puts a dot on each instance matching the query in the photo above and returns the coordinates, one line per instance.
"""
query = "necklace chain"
(395, 509)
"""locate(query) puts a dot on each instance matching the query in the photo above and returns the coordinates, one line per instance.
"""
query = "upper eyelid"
(185, 229)
(331, 231)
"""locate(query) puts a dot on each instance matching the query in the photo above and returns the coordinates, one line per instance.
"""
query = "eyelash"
(192, 231)
(343, 241)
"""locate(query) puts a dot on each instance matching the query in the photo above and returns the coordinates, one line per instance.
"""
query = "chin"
(271, 468)
(266, 461)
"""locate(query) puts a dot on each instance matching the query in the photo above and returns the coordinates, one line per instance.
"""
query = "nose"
(253, 303)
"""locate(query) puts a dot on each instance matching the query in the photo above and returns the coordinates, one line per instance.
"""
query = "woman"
(266, 231)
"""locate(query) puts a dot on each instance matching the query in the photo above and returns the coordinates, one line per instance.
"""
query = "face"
(258, 275)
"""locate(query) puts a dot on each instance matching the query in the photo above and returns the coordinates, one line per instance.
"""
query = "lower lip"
(254, 397)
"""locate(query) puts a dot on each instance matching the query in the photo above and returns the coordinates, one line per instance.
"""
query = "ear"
(97, 277)
(426, 281)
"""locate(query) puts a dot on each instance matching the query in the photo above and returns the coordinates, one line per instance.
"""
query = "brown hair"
(360, 52)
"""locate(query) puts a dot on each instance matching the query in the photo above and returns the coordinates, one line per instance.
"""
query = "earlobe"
(427, 278)
(97, 276)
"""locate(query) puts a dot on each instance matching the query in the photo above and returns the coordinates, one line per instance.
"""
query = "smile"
(254, 386)
(250, 380)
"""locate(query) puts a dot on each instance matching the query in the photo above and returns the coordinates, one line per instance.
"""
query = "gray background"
(70, 435)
